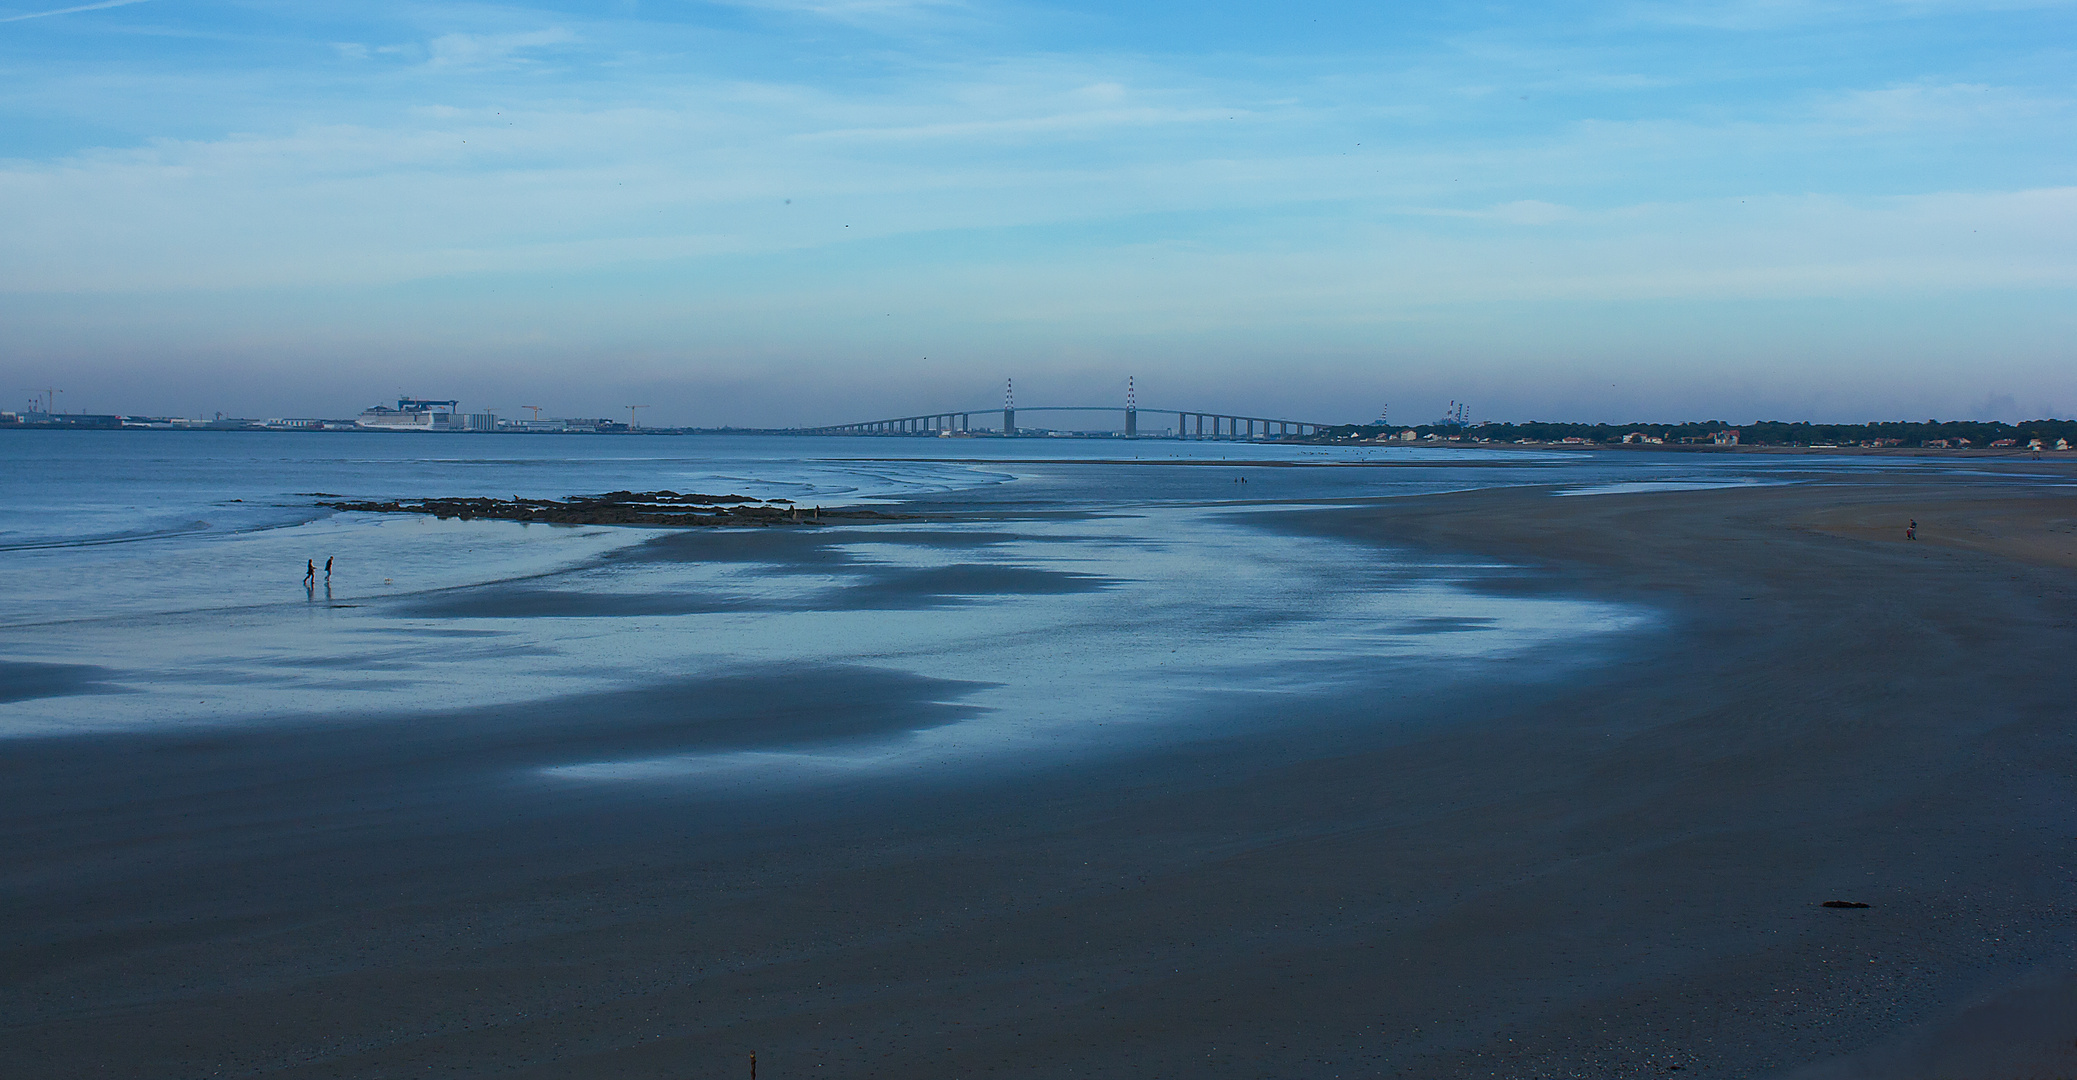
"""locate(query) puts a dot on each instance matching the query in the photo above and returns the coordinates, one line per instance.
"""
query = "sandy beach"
(1605, 869)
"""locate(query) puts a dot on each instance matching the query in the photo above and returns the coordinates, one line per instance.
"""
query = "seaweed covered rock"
(668, 509)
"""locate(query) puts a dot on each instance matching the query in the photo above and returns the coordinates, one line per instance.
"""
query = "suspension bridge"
(1189, 424)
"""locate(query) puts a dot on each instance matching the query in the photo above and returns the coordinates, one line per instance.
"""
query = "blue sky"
(781, 211)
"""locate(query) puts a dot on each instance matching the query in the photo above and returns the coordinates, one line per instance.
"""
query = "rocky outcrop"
(668, 509)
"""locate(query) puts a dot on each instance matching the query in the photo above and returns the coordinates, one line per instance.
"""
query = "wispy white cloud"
(477, 50)
(1923, 105)
(70, 10)
(855, 12)
(1054, 123)
(1781, 14)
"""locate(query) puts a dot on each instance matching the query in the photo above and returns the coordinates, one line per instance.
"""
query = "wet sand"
(1560, 869)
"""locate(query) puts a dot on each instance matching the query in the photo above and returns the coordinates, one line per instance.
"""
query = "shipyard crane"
(536, 408)
(631, 424)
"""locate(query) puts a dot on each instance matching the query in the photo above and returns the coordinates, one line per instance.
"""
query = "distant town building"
(1726, 437)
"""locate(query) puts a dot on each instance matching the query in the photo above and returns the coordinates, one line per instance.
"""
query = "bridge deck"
(1190, 423)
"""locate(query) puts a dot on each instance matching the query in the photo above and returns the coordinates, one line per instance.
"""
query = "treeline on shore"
(1972, 433)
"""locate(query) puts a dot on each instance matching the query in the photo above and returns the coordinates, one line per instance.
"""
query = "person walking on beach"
(328, 568)
(1911, 530)
(310, 571)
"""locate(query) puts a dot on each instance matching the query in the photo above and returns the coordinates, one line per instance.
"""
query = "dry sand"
(1611, 871)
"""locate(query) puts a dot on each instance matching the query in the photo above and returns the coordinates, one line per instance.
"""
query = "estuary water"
(1074, 596)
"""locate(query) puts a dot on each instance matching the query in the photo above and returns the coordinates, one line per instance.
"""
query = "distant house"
(1641, 437)
(1934, 444)
(2062, 444)
(1409, 435)
(1726, 437)
(2005, 442)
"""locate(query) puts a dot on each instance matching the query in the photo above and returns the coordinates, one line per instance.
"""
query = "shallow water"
(1086, 594)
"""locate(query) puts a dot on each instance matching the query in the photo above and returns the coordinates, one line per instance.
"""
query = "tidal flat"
(1078, 768)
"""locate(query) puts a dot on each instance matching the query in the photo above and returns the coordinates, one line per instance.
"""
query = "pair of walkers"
(310, 570)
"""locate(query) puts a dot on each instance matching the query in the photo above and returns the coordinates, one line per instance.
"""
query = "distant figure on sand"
(328, 568)
(310, 571)
(1911, 530)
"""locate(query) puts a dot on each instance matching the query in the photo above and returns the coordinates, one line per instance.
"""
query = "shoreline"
(2011, 453)
(1911, 453)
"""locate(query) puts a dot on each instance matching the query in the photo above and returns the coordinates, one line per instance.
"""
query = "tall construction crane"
(631, 424)
(50, 396)
(536, 408)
